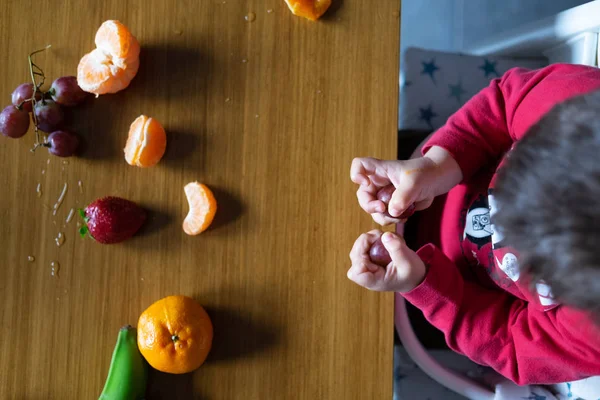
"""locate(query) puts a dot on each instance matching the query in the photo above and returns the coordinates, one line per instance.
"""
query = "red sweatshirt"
(473, 291)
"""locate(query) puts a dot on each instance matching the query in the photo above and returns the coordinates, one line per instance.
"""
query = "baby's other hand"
(404, 273)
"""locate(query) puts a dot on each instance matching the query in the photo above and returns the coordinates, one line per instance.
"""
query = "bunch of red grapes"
(46, 109)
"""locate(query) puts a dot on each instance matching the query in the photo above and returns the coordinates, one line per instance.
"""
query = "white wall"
(452, 25)
(428, 23)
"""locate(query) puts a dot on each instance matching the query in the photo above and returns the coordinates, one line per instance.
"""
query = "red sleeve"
(498, 330)
(487, 125)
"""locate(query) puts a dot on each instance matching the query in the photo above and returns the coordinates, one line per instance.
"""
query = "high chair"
(434, 85)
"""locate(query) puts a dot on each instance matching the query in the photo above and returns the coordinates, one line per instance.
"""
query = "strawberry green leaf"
(83, 231)
(82, 214)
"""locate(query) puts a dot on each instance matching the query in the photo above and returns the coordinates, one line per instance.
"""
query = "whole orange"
(175, 334)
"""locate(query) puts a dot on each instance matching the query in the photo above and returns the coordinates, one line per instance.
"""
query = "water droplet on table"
(270, 10)
(54, 268)
(227, 100)
(256, 116)
(80, 184)
(60, 199)
(250, 17)
(244, 61)
(48, 161)
(70, 216)
(319, 92)
(38, 190)
(60, 239)
(65, 162)
(43, 172)
(30, 258)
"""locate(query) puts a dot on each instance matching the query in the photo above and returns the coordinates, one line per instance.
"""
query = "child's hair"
(548, 197)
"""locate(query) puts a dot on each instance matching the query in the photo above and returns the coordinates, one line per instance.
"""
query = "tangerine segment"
(97, 74)
(115, 40)
(175, 334)
(310, 9)
(146, 143)
(203, 207)
(134, 140)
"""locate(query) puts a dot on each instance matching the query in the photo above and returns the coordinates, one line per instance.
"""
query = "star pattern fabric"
(489, 68)
(434, 85)
(427, 115)
(429, 68)
(534, 396)
(457, 91)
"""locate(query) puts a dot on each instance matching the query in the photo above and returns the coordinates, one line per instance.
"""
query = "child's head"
(548, 196)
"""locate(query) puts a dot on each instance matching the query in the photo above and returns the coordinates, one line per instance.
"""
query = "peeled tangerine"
(203, 208)
(310, 9)
(113, 64)
(146, 143)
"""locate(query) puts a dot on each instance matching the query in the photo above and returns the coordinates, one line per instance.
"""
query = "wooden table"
(270, 114)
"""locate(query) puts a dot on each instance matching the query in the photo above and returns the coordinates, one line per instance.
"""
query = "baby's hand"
(405, 272)
(409, 181)
(416, 182)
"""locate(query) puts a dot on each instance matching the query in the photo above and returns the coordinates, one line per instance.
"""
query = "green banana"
(128, 370)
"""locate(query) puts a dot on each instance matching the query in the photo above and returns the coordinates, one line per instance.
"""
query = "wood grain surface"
(270, 114)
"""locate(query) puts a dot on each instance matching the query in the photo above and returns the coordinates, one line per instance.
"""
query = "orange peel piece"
(310, 9)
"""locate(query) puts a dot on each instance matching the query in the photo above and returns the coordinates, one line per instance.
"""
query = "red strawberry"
(112, 219)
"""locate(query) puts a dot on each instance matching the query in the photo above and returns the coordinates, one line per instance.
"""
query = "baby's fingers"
(361, 168)
(368, 201)
(384, 220)
(363, 272)
(366, 275)
(360, 249)
(407, 269)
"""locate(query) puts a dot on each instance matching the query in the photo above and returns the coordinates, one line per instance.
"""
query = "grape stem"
(36, 89)
(20, 106)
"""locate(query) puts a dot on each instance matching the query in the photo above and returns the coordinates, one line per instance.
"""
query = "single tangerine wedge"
(146, 143)
(310, 9)
(175, 334)
(113, 64)
(116, 41)
(203, 207)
